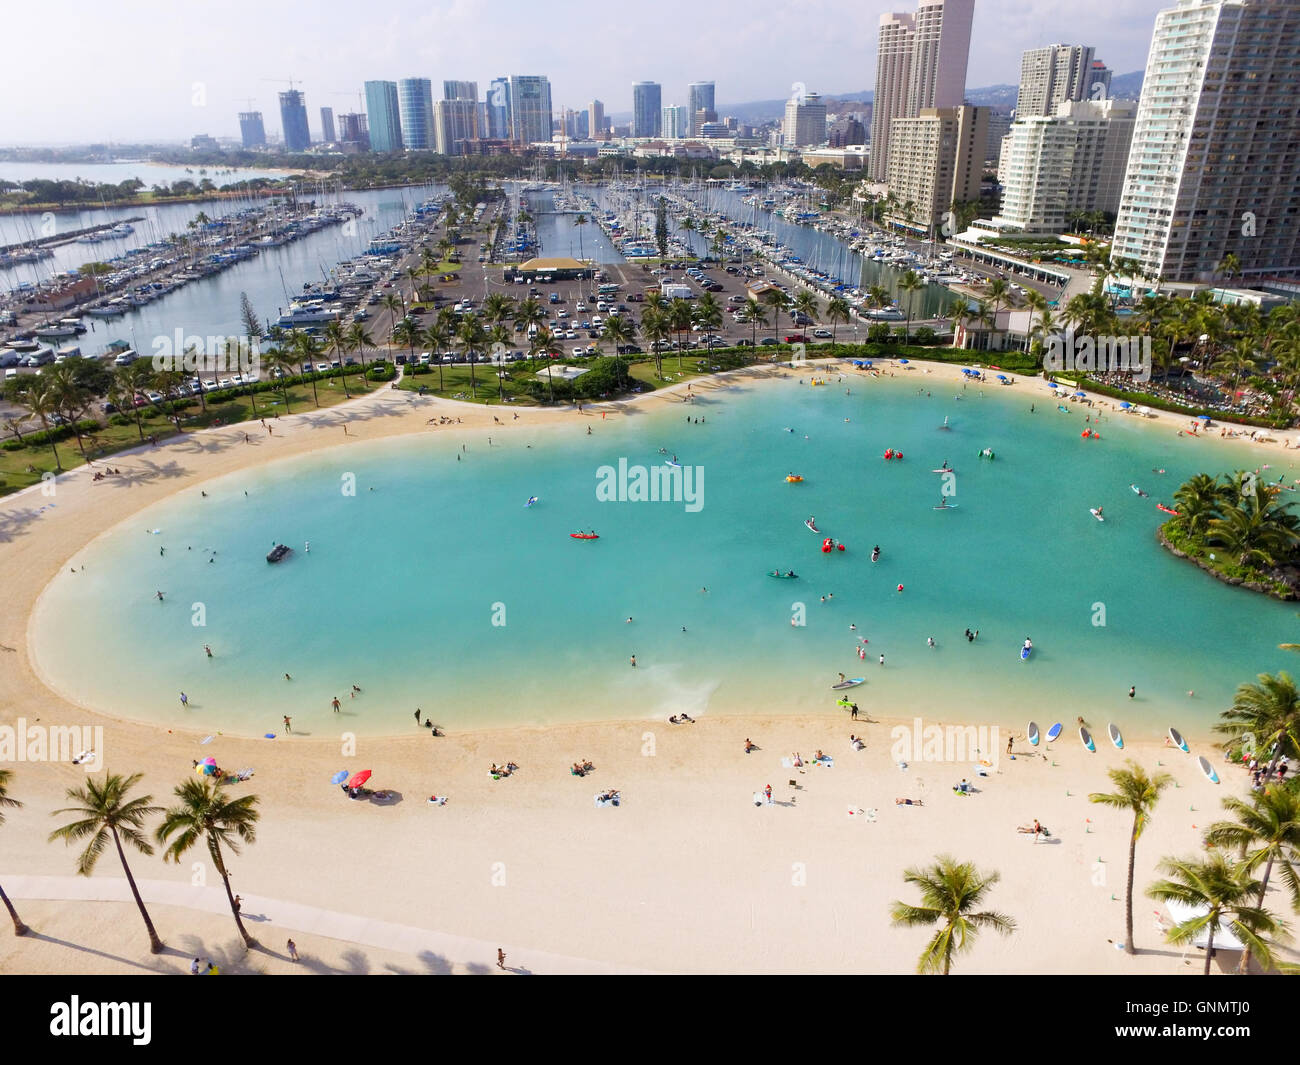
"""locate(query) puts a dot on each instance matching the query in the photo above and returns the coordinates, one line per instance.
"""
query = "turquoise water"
(399, 589)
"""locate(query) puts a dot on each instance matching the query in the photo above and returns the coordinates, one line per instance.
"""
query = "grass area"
(23, 467)
(1214, 561)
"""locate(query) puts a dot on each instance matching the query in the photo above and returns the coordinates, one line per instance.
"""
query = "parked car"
(822, 334)
(796, 338)
(768, 341)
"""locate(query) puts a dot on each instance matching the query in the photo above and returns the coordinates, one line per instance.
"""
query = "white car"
(561, 314)
(569, 334)
(579, 352)
(581, 308)
(321, 367)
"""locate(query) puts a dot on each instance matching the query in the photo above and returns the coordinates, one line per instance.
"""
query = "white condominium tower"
(921, 64)
(1214, 168)
(1051, 76)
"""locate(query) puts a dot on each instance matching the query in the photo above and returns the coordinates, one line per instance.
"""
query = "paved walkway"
(274, 920)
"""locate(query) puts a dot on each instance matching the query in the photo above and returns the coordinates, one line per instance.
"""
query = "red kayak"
(1167, 510)
(584, 536)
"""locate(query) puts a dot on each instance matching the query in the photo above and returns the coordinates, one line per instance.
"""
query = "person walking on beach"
(853, 712)
(501, 958)
(293, 950)
(335, 703)
(288, 726)
(1132, 691)
(634, 661)
(185, 699)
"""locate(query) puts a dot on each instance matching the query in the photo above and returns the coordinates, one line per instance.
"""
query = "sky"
(76, 71)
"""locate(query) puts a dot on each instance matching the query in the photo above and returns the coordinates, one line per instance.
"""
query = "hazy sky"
(141, 69)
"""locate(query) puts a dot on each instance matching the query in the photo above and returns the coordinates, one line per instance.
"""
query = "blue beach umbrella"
(1125, 405)
(339, 777)
(1081, 395)
(903, 361)
(1202, 417)
(1051, 384)
(1003, 377)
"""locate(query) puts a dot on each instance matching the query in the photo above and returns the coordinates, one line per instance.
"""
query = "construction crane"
(291, 81)
(360, 106)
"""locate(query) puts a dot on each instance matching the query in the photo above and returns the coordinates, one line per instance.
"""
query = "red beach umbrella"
(359, 778)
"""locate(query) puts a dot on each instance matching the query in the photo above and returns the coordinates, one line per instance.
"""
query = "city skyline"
(181, 92)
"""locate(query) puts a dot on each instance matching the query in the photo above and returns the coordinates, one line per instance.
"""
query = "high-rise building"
(596, 119)
(415, 101)
(582, 125)
(1098, 74)
(498, 109)
(675, 123)
(327, 125)
(1052, 76)
(354, 132)
(1054, 166)
(530, 109)
(383, 115)
(845, 130)
(999, 127)
(936, 160)
(455, 122)
(1214, 168)
(700, 104)
(805, 121)
(293, 121)
(647, 107)
(251, 131)
(921, 64)
(460, 90)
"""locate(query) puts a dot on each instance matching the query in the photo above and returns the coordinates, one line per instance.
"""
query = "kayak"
(794, 479)
(943, 469)
(1167, 510)
(584, 536)
(848, 684)
(785, 576)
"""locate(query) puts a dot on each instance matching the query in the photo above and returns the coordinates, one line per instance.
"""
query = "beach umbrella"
(208, 770)
(339, 777)
(209, 761)
(1125, 405)
(1202, 417)
(1003, 377)
(1051, 384)
(1081, 395)
(359, 778)
(903, 361)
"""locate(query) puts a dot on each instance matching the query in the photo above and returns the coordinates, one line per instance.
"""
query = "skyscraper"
(460, 90)
(675, 123)
(699, 98)
(293, 121)
(805, 121)
(647, 103)
(455, 121)
(596, 119)
(354, 131)
(1099, 74)
(530, 109)
(498, 109)
(1214, 168)
(415, 102)
(1051, 76)
(383, 116)
(251, 130)
(921, 63)
(936, 160)
(327, 125)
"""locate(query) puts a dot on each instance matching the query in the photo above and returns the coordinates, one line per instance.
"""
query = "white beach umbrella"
(1223, 938)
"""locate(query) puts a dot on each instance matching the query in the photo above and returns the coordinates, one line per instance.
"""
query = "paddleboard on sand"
(1053, 732)
(1207, 769)
(1115, 736)
(1176, 738)
(847, 684)
(1085, 737)
(1033, 734)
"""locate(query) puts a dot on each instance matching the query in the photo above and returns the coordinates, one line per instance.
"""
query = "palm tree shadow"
(35, 935)
(435, 964)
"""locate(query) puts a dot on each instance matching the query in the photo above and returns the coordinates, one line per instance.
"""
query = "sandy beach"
(687, 875)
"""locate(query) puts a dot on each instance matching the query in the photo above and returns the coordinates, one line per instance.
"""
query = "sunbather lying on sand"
(908, 802)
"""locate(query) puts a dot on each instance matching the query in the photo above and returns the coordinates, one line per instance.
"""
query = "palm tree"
(500, 338)
(543, 345)
(1239, 360)
(1199, 500)
(837, 310)
(707, 315)
(1229, 266)
(282, 366)
(754, 314)
(1258, 531)
(471, 336)
(579, 221)
(1138, 794)
(392, 303)
(438, 337)
(104, 812)
(1266, 715)
(1226, 891)
(336, 342)
(70, 398)
(777, 301)
(358, 340)
(909, 283)
(619, 332)
(407, 332)
(950, 891)
(205, 812)
(306, 349)
(680, 321)
(656, 328)
(6, 801)
(805, 302)
(1266, 833)
(42, 401)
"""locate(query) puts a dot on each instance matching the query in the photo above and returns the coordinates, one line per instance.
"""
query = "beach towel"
(758, 798)
(856, 813)
(787, 763)
(206, 739)
(827, 761)
(440, 800)
(244, 774)
(606, 802)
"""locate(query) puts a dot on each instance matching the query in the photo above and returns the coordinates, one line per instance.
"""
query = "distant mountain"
(1002, 97)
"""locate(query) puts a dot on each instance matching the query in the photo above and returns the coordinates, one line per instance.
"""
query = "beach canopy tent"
(1223, 938)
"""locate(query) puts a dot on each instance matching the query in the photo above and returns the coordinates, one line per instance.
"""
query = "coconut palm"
(1257, 531)
(7, 802)
(471, 337)
(909, 283)
(579, 221)
(358, 340)
(306, 349)
(1226, 891)
(681, 319)
(707, 314)
(438, 337)
(950, 893)
(1266, 832)
(1229, 266)
(392, 303)
(754, 314)
(777, 301)
(837, 310)
(1265, 716)
(500, 338)
(1199, 500)
(205, 812)
(1136, 793)
(543, 345)
(1238, 361)
(42, 400)
(282, 365)
(620, 332)
(105, 813)
(336, 341)
(407, 334)
(70, 397)
(805, 302)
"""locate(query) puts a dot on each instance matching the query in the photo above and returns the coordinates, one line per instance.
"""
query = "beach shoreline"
(712, 891)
